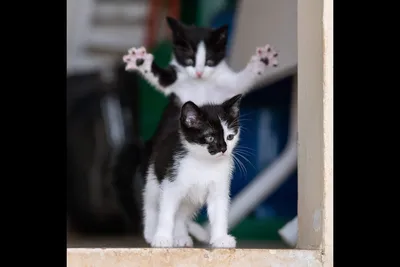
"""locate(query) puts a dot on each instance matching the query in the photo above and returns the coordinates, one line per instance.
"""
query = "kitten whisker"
(237, 153)
(246, 114)
(246, 153)
(241, 166)
(247, 149)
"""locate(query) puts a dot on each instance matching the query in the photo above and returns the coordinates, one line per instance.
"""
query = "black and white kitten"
(198, 71)
(191, 166)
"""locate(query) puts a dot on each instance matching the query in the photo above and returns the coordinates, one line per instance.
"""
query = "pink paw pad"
(135, 58)
(268, 55)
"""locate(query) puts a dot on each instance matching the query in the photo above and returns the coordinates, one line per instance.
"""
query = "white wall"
(79, 16)
(82, 34)
(261, 22)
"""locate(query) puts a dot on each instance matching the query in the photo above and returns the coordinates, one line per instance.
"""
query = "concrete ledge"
(143, 257)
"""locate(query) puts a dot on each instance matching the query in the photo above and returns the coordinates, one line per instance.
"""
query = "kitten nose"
(223, 149)
(199, 73)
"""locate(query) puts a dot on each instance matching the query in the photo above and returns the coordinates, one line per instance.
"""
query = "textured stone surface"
(191, 257)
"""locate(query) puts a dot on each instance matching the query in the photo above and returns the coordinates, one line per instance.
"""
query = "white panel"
(116, 38)
(261, 22)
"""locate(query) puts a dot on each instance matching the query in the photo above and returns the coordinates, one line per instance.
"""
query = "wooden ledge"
(143, 257)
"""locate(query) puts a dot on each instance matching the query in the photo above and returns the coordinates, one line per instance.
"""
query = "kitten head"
(211, 130)
(198, 50)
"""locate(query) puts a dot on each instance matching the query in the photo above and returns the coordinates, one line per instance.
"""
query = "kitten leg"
(170, 198)
(255, 70)
(217, 209)
(150, 208)
(139, 60)
(181, 233)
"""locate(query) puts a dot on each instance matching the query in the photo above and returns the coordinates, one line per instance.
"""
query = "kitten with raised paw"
(191, 166)
(198, 71)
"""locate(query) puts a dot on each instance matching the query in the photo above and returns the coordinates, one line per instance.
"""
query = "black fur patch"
(167, 126)
(166, 76)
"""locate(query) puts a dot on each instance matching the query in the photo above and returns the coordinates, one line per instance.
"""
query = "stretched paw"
(138, 59)
(162, 242)
(183, 241)
(226, 241)
(265, 56)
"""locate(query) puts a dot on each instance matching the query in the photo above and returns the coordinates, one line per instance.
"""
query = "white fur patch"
(213, 87)
(201, 57)
(231, 144)
(151, 194)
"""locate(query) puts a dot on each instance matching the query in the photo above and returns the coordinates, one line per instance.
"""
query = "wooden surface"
(192, 257)
(315, 120)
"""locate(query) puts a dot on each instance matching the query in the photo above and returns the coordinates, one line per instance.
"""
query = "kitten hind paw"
(183, 241)
(138, 59)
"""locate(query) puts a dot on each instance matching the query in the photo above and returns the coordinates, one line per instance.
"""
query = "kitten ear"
(174, 24)
(220, 35)
(231, 106)
(191, 115)
(178, 31)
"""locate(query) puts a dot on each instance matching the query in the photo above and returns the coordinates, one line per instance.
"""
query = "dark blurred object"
(102, 150)
(80, 86)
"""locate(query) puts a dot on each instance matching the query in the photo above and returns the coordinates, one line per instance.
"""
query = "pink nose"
(198, 73)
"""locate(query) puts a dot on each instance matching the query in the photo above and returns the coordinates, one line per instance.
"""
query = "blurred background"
(110, 113)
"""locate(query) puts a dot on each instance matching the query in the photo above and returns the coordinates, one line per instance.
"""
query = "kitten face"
(198, 50)
(211, 130)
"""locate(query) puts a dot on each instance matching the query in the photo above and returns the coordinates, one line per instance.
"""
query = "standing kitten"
(198, 71)
(192, 165)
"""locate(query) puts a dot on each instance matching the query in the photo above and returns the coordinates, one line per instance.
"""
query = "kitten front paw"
(162, 242)
(226, 241)
(138, 59)
(265, 56)
(183, 241)
(148, 236)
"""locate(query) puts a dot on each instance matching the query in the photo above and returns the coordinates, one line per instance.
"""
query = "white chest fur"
(214, 89)
(201, 92)
(196, 177)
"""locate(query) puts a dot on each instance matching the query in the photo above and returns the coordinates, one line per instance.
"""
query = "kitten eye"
(189, 61)
(209, 139)
(210, 62)
(230, 137)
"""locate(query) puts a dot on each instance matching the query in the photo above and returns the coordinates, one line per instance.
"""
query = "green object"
(259, 229)
(189, 12)
(256, 229)
(153, 102)
(207, 10)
